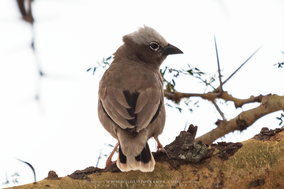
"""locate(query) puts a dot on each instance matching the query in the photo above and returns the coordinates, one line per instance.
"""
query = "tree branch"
(240, 102)
(177, 96)
(269, 104)
(211, 96)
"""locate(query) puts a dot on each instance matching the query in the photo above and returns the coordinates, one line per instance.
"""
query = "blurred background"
(48, 102)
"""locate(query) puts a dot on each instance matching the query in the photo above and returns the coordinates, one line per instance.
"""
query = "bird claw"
(109, 163)
(162, 150)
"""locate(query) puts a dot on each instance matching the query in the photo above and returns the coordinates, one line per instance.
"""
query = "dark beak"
(170, 49)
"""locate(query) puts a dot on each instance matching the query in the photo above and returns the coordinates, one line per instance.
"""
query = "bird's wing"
(115, 106)
(148, 106)
(131, 110)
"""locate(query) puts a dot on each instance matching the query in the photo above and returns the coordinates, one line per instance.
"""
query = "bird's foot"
(160, 148)
(109, 162)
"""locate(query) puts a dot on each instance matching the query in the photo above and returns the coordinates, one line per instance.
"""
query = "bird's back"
(131, 76)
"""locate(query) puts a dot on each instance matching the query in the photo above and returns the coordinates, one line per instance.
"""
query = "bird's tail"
(144, 161)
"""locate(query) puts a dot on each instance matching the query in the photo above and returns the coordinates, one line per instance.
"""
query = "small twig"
(26, 12)
(99, 158)
(21, 5)
(219, 110)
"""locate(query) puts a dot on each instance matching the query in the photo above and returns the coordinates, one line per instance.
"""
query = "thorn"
(218, 63)
(30, 167)
(219, 110)
(241, 65)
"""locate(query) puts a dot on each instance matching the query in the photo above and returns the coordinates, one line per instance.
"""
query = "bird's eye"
(154, 46)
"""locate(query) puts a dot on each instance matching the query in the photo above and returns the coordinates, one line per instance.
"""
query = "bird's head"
(148, 46)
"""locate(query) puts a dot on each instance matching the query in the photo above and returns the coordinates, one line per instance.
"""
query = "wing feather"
(120, 109)
(131, 110)
(141, 101)
(145, 115)
(114, 115)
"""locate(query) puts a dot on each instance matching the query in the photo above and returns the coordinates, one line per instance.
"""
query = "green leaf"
(165, 70)
(200, 73)
(177, 74)
(168, 87)
(196, 102)
(15, 180)
(190, 72)
(174, 83)
(179, 109)
(167, 104)
(15, 175)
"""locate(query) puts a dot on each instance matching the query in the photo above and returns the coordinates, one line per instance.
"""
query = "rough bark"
(258, 162)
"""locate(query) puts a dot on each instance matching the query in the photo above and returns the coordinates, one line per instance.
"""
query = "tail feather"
(144, 161)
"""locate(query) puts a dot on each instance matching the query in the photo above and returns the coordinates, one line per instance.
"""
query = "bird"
(131, 98)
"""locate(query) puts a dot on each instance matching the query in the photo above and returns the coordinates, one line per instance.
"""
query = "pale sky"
(61, 131)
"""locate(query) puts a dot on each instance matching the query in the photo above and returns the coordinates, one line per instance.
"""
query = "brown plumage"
(131, 100)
